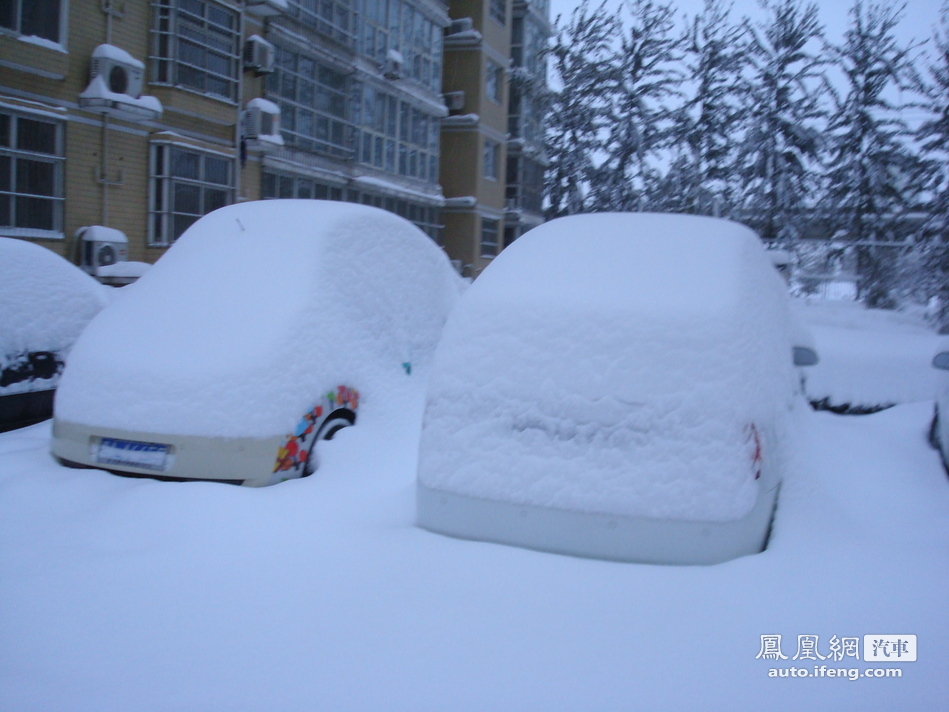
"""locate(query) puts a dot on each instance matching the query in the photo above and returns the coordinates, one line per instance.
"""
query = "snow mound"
(45, 301)
(615, 364)
(255, 308)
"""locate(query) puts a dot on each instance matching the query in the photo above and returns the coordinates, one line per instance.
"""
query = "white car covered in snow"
(614, 386)
(45, 303)
(258, 333)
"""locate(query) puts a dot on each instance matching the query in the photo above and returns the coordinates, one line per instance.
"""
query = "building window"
(510, 234)
(185, 185)
(312, 99)
(398, 25)
(494, 81)
(498, 10)
(525, 184)
(31, 176)
(394, 136)
(490, 166)
(197, 46)
(32, 18)
(330, 18)
(489, 237)
(529, 45)
(281, 185)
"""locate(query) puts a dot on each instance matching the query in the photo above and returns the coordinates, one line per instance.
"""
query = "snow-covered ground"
(321, 594)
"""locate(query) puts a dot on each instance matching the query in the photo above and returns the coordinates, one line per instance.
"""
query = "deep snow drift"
(322, 594)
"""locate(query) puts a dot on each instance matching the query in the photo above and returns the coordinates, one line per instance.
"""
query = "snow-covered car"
(615, 386)
(45, 303)
(939, 429)
(261, 331)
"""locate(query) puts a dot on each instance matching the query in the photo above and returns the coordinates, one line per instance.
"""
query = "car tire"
(934, 429)
(334, 422)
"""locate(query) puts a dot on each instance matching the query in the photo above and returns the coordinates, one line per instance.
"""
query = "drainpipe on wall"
(240, 99)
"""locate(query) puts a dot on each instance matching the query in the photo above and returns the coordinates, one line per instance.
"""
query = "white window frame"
(339, 25)
(494, 81)
(497, 9)
(17, 28)
(489, 247)
(170, 28)
(305, 100)
(490, 159)
(16, 155)
(163, 207)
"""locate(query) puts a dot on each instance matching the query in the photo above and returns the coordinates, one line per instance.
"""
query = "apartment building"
(526, 160)
(359, 92)
(141, 116)
(492, 140)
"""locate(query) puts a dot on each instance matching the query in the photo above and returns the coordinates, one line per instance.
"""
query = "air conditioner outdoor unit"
(259, 55)
(261, 128)
(455, 100)
(464, 24)
(394, 65)
(115, 86)
(122, 72)
(101, 247)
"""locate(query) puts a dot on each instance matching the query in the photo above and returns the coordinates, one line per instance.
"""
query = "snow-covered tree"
(932, 258)
(707, 125)
(648, 77)
(585, 77)
(873, 175)
(782, 113)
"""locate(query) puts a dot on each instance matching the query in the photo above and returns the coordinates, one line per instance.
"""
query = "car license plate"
(148, 456)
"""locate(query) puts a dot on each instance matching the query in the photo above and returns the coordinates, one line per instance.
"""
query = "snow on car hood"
(614, 363)
(253, 311)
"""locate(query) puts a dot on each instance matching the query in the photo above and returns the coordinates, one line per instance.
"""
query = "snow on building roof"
(256, 307)
(45, 302)
(614, 365)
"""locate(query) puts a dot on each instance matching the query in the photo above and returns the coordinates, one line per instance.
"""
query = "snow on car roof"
(45, 301)
(254, 309)
(613, 363)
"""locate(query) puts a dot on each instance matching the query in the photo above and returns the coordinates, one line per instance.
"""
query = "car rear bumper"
(597, 535)
(248, 461)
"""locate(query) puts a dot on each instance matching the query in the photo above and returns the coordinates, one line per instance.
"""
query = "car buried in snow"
(258, 334)
(45, 303)
(615, 386)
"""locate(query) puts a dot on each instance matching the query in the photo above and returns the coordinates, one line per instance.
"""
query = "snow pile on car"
(256, 307)
(45, 302)
(629, 365)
